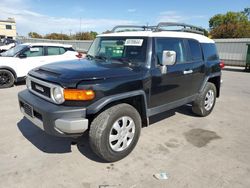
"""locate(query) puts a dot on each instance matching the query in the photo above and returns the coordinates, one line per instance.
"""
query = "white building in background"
(8, 28)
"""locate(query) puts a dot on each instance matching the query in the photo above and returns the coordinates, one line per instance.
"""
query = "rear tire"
(7, 79)
(115, 132)
(205, 102)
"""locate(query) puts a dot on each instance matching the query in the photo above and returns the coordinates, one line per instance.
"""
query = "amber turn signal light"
(78, 95)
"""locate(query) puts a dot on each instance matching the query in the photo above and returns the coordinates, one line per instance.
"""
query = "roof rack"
(160, 27)
(186, 27)
(144, 28)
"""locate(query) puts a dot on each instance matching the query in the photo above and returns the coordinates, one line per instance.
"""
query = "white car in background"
(7, 44)
(18, 61)
(6, 47)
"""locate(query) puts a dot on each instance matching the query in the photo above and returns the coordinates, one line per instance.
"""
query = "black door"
(173, 85)
(196, 67)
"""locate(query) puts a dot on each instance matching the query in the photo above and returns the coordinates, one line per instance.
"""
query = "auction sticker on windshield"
(133, 42)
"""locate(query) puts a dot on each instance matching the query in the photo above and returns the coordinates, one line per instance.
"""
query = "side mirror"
(22, 56)
(168, 57)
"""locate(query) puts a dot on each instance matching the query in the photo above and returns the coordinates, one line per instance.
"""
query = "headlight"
(58, 95)
(28, 83)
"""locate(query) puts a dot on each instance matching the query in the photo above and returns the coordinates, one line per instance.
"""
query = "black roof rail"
(160, 27)
(185, 27)
(144, 28)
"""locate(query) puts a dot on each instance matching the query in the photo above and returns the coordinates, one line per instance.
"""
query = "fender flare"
(207, 78)
(100, 104)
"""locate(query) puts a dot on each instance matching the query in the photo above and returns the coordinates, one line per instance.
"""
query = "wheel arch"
(11, 70)
(137, 99)
(215, 79)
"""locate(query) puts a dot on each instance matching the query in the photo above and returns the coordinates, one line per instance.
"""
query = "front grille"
(27, 109)
(43, 90)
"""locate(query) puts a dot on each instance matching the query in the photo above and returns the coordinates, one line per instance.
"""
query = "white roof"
(48, 44)
(171, 34)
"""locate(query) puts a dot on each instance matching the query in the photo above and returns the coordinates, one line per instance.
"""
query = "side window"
(8, 26)
(53, 50)
(210, 52)
(195, 50)
(62, 50)
(34, 51)
(171, 44)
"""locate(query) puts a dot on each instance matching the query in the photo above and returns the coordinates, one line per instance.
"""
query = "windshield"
(13, 51)
(119, 49)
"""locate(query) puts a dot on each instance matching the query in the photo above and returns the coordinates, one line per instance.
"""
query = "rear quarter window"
(52, 50)
(195, 50)
(210, 52)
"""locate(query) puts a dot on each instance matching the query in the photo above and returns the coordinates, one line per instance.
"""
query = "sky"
(71, 16)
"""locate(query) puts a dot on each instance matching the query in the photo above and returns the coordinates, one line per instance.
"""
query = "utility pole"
(70, 33)
(80, 28)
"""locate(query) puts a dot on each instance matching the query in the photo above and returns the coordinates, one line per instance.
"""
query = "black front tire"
(199, 107)
(7, 79)
(102, 125)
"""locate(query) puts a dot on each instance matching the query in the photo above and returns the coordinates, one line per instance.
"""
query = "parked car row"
(16, 62)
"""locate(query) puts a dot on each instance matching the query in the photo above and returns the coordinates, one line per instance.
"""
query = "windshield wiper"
(96, 57)
(124, 60)
(128, 61)
(101, 57)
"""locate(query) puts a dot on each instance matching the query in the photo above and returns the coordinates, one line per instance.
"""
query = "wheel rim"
(122, 133)
(209, 100)
(4, 78)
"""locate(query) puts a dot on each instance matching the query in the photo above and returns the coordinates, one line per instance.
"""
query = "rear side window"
(171, 44)
(195, 50)
(210, 52)
(55, 50)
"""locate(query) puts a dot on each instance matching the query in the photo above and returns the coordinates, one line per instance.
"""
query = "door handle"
(188, 72)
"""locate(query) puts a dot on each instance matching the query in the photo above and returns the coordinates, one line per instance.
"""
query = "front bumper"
(54, 119)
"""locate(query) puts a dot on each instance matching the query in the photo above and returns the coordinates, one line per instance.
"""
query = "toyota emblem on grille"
(39, 88)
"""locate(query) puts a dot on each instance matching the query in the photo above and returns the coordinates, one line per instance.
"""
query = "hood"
(69, 73)
(4, 60)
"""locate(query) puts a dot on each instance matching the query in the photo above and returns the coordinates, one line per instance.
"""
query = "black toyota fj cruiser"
(125, 78)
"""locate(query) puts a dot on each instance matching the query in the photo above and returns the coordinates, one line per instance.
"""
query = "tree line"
(61, 36)
(229, 25)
